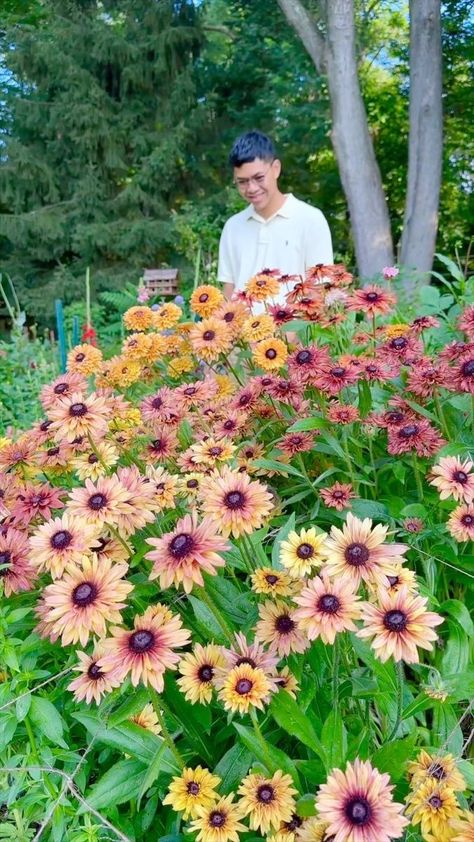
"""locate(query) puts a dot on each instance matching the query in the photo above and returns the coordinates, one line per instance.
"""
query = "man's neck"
(277, 202)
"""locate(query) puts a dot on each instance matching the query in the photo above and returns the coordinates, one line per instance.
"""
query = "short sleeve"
(318, 242)
(225, 274)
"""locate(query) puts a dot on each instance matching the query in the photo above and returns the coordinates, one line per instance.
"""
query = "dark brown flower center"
(234, 500)
(181, 545)
(371, 368)
(193, 788)
(60, 540)
(356, 554)
(5, 558)
(437, 771)
(271, 353)
(93, 459)
(84, 594)
(304, 551)
(52, 451)
(271, 579)
(244, 660)
(338, 495)
(338, 371)
(205, 673)
(203, 297)
(265, 794)
(141, 641)
(94, 672)
(159, 445)
(190, 391)
(372, 296)
(215, 451)
(45, 425)
(229, 424)
(208, 335)
(399, 343)
(255, 324)
(229, 317)
(408, 431)
(192, 483)
(395, 417)
(394, 580)
(467, 368)
(77, 410)
(460, 476)
(217, 819)
(294, 824)
(329, 604)
(303, 357)
(395, 621)
(467, 520)
(436, 802)
(60, 388)
(358, 811)
(80, 358)
(284, 624)
(157, 403)
(243, 686)
(97, 502)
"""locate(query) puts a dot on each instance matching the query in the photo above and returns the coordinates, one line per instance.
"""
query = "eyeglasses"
(243, 183)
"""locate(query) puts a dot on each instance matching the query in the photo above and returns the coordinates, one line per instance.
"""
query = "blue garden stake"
(75, 331)
(61, 333)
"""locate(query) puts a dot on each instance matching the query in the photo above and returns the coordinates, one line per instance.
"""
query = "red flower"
(417, 435)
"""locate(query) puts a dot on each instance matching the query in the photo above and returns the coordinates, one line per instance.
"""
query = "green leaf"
(47, 719)
(272, 755)
(305, 806)
(334, 740)
(22, 707)
(392, 757)
(414, 510)
(278, 467)
(206, 620)
(153, 771)
(120, 783)
(281, 536)
(133, 704)
(456, 655)
(452, 267)
(446, 731)
(365, 398)
(460, 613)
(128, 737)
(418, 705)
(232, 767)
(369, 508)
(195, 718)
(466, 767)
(290, 717)
(307, 424)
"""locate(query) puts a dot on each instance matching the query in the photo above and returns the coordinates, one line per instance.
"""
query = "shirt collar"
(285, 210)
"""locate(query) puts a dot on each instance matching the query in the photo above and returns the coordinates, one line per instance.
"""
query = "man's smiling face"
(257, 181)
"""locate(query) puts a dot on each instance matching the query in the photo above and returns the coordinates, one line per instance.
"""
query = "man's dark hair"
(249, 146)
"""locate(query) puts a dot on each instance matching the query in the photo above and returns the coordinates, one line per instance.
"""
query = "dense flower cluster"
(181, 462)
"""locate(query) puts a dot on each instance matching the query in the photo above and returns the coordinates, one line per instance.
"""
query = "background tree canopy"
(116, 120)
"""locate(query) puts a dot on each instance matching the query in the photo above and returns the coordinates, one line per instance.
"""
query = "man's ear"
(276, 166)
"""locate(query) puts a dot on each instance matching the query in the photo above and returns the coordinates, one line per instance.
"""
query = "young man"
(276, 230)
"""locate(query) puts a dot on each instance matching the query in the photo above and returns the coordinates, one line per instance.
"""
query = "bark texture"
(426, 136)
(360, 175)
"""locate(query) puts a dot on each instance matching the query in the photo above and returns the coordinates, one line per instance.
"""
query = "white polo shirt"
(295, 238)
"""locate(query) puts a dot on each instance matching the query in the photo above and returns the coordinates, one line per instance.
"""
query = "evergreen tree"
(99, 119)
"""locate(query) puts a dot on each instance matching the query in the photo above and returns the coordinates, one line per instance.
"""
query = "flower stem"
(441, 415)
(261, 740)
(216, 613)
(416, 471)
(96, 453)
(400, 683)
(118, 537)
(349, 461)
(335, 674)
(156, 702)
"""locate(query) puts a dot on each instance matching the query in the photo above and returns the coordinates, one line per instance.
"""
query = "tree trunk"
(360, 174)
(359, 170)
(426, 136)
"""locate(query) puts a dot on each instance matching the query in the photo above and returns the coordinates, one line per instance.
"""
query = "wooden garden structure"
(161, 282)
